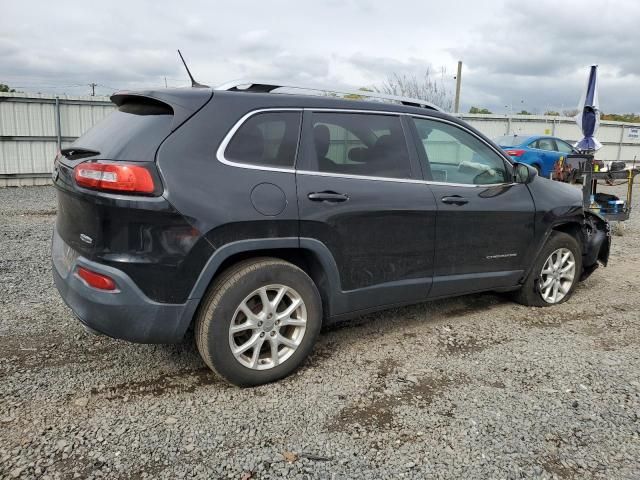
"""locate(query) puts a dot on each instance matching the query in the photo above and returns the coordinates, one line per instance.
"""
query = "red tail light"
(114, 176)
(514, 153)
(96, 280)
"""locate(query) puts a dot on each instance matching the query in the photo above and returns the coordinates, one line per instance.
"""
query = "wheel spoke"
(242, 327)
(256, 352)
(278, 298)
(290, 309)
(556, 284)
(568, 266)
(564, 287)
(287, 342)
(546, 282)
(294, 322)
(244, 308)
(264, 298)
(246, 345)
(274, 351)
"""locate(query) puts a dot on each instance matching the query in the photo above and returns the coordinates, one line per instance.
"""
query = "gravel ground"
(472, 387)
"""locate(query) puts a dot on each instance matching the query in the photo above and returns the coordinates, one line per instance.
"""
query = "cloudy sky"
(516, 54)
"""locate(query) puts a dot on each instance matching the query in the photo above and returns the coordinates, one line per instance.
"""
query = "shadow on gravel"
(426, 312)
(182, 381)
(376, 413)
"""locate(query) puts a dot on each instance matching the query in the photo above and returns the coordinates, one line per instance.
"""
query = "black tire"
(530, 294)
(216, 313)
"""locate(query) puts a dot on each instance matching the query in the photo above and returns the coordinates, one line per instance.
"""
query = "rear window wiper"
(75, 153)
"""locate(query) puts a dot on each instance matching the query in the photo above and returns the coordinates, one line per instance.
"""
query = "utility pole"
(93, 89)
(456, 107)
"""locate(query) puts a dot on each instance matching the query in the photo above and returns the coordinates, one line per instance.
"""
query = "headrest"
(321, 138)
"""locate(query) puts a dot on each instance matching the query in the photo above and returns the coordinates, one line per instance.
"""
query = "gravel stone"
(470, 387)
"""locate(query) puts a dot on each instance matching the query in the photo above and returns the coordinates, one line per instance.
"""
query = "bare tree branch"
(425, 87)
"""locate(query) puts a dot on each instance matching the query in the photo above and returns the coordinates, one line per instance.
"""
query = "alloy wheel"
(557, 275)
(267, 327)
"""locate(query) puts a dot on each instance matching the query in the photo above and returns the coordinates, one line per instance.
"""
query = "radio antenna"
(194, 84)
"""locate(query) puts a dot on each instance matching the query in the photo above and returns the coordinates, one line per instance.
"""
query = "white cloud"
(532, 53)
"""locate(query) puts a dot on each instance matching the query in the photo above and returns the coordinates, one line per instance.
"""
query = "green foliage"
(524, 112)
(621, 117)
(552, 113)
(5, 88)
(479, 110)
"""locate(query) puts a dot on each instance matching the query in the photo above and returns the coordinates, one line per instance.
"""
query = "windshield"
(510, 140)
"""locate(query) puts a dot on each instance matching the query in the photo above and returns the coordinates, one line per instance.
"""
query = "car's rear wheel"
(555, 274)
(258, 321)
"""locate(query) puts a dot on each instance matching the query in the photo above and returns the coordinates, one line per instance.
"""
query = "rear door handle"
(455, 200)
(328, 197)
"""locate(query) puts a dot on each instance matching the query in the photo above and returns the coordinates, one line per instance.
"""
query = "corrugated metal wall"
(29, 133)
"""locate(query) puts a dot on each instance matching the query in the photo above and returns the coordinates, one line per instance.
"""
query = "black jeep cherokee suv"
(258, 216)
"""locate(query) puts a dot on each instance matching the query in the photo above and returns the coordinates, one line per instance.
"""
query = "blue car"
(539, 151)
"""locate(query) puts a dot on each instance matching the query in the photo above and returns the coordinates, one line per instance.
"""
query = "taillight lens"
(114, 177)
(96, 280)
(514, 153)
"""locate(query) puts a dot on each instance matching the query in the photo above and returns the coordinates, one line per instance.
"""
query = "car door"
(485, 222)
(563, 149)
(362, 200)
(546, 151)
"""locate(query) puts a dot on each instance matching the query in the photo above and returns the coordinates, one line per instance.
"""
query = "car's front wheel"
(555, 273)
(259, 321)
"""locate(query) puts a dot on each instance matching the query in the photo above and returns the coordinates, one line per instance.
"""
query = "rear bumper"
(126, 313)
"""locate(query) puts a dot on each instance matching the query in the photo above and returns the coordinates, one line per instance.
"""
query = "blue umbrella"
(589, 117)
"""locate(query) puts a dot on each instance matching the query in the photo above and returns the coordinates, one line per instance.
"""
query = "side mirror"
(524, 173)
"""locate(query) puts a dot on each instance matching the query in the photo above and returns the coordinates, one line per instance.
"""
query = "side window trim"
(507, 162)
(301, 168)
(227, 139)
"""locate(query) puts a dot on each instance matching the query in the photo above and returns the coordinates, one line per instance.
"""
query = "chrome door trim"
(227, 139)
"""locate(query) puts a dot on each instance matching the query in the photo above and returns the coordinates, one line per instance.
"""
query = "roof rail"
(269, 86)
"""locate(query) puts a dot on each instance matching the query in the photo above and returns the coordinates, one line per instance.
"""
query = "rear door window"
(266, 139)
(364, 144)
(546, 144)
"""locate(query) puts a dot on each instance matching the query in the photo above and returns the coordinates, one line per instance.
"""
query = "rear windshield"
(133, 132)
(510, 140)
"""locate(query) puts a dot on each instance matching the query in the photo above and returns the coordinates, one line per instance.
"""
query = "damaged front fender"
(596, 242)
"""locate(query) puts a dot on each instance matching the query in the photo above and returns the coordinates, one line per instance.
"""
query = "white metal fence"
(33, 127)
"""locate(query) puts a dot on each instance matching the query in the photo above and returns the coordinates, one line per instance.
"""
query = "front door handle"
(328, 197)
(455, 200)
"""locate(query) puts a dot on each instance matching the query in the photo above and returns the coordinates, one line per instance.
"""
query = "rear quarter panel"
(214, 197)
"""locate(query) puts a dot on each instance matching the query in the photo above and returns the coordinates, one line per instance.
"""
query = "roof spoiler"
(183, 101)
